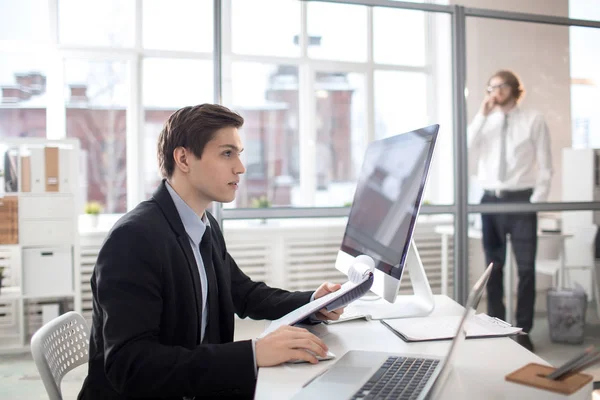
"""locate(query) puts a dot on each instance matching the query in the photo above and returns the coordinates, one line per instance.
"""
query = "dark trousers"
(522, 228)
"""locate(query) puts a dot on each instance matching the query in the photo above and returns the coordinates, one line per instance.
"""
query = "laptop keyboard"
(401, 378)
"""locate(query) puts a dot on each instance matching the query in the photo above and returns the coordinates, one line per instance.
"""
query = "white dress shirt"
(528, 156)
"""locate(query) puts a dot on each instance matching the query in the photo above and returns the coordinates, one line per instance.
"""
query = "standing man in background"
(510, 147)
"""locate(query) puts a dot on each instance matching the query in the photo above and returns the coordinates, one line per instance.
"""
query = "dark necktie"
(502, 162)
(212, 331)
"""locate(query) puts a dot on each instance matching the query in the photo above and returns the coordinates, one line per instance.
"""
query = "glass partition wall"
(315, 81)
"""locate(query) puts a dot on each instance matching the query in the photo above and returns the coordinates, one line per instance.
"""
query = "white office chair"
(57, 348)
(549, 258)
(580, 256)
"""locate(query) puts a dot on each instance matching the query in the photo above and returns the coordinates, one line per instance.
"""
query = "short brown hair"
(192, 127)
(516, 86)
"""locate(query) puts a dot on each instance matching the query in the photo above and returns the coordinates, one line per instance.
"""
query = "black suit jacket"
(145, 336)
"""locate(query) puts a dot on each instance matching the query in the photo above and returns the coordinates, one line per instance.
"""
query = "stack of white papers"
(445, 327)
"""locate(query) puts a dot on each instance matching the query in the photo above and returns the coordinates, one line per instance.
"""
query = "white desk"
(480, 364)
(448, 230)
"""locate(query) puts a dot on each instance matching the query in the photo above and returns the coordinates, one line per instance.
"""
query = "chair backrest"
(580, 249)
(58, 347)
(549, 248)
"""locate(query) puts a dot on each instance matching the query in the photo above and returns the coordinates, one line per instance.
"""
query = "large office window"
(342, 40)
(181, 25)
(359, 91)
(96, 114)
(24, 21)
(399, 37)
(168, 84)
(23, 101)
(341, 123)
(313, 92)
(24, 28)
(584, 9)
(266, 95)
(585, 89)
(105, 23)
(255, 30)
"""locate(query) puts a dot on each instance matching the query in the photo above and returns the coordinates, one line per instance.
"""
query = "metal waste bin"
(566, 314)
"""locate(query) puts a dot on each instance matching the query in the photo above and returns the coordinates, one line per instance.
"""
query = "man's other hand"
(288, 343)
(323, 290)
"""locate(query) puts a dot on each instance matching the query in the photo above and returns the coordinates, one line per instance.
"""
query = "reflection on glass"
(399, 36)
(333, 37)
(23, 95)
(266, 96)
(265, 27)
(24, 20)
(91, 23)
(387, 199)
(185, 25)
(190, 82)
(96, 106)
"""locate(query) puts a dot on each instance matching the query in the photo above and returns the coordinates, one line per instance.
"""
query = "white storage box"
(46, 207)
(47, 271)
(46, 233)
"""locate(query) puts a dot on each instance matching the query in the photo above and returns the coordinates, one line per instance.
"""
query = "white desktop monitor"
(386, 205)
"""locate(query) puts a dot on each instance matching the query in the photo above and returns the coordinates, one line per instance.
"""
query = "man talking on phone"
(510, 148)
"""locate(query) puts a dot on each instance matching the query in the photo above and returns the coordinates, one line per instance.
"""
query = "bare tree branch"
(94, 146)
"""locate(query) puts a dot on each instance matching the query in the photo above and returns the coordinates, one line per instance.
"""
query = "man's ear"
(181, 159)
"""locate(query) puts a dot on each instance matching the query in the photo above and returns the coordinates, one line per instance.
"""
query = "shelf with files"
(39, 249)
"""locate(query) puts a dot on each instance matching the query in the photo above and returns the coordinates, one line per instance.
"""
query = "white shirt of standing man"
(528, 162)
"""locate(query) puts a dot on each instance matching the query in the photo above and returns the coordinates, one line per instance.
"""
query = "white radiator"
(293, 258)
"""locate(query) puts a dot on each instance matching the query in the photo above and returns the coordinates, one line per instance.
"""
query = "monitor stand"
(419, 304)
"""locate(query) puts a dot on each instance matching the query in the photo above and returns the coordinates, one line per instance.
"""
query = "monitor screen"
(388, 197)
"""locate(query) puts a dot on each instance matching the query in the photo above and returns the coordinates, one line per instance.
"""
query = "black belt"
(501, 194)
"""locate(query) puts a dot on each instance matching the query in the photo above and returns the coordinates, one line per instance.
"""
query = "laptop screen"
(461, 334)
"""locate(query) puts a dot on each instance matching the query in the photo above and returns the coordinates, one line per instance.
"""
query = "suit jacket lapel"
(165, 202)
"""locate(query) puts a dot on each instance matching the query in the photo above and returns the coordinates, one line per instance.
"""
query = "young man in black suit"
(165, 289)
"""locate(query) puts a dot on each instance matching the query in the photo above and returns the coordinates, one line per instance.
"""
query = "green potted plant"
(261, 202)
(93, 209)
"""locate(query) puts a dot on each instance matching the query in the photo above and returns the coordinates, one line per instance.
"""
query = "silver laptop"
(381, 375)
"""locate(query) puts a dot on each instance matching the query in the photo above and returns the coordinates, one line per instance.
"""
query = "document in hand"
(444, 327)
(349, 292)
